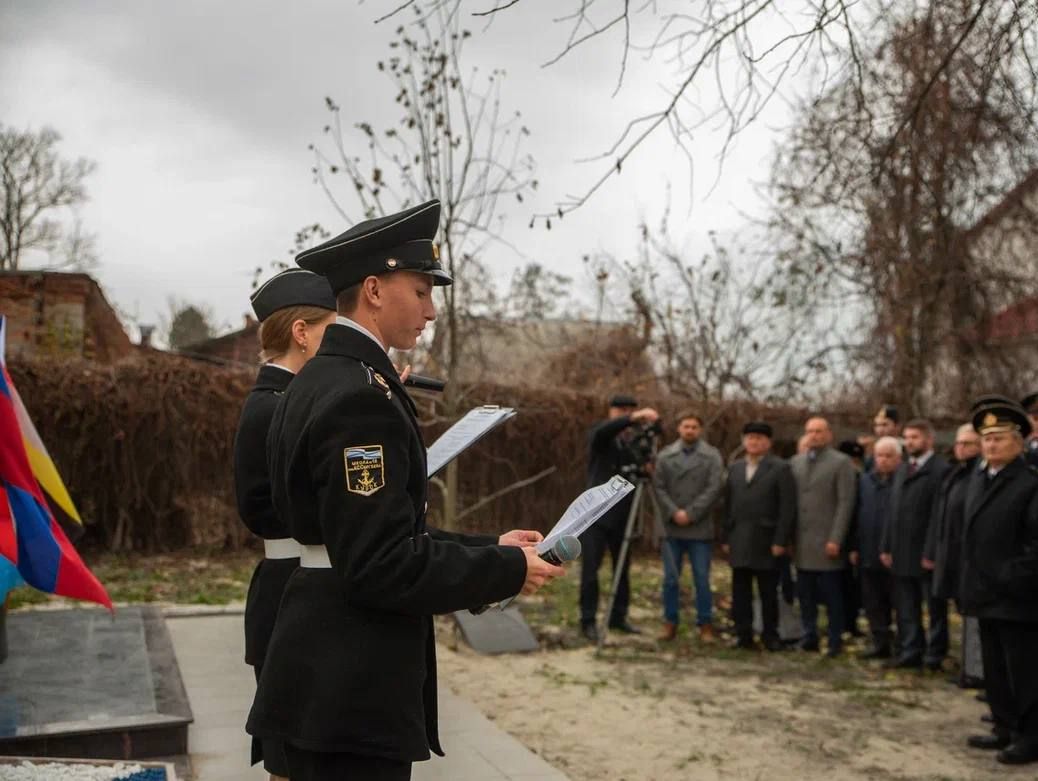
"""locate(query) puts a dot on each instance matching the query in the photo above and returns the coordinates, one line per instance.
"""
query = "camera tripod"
(632, 530)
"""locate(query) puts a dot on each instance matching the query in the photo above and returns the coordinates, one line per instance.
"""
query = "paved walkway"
(210, 650)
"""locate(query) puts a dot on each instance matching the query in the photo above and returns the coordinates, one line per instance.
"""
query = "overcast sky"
(199, 115)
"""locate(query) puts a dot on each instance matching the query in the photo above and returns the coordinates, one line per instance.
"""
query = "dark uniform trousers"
(742, 602)
(606, 534)
(910, 594)
(877, 596)
(1010, 652)
(316, 766)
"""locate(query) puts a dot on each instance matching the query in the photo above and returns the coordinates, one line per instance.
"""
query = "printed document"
(476, 424)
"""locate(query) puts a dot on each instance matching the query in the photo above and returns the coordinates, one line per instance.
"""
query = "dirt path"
(639, 713)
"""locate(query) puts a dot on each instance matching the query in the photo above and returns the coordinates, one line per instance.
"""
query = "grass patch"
(198, 576)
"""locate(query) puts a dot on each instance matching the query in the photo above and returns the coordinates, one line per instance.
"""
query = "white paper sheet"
(582, 512)
(586, 509)
(476, 424)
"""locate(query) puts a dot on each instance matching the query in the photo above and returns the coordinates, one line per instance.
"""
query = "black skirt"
(261, 606)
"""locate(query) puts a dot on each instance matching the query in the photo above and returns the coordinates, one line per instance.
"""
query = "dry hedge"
(145, 447)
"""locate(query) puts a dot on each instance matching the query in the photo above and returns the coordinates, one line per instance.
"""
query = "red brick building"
(59, 313)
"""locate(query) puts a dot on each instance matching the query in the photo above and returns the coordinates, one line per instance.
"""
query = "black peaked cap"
(623, 400)
(999, 417)
(294, 287)
(1029, 402)
(397, 242)
(888, 412)
(989, 399)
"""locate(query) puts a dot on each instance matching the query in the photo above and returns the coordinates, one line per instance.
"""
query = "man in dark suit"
(873, 511)
(999, 579)
(349, 679)
(917, 484)
(760, 501)
(1030, 405)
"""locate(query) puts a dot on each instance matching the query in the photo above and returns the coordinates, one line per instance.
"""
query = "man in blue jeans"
(688, 479)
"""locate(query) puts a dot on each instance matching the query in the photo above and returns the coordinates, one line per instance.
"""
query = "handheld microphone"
(566, 548)
(425, 383)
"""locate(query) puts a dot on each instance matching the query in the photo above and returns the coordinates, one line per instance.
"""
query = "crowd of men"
(882, 525)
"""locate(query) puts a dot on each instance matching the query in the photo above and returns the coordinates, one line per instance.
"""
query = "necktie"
(912, 466)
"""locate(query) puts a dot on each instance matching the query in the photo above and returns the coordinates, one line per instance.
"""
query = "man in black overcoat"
(760, 513)
(349, 681)
(999, 579)
(916, 486)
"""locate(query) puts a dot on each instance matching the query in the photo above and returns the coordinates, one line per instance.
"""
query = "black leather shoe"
(934, 665)
(997, 739)
(971, 682)
(745, 644)
(773, 644)
(590, 632)
(1023, 752)
(987, 718)
(981, 696)
(624, 627)
(876, 652)
(904, 663)
(808, 645)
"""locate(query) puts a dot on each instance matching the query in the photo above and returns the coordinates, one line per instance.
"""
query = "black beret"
(851, 448)
(294, 287)
(999, 417)
(757, 427)
(888, 412)
(989, 399)
(1030, 402)
(398, 242)
(622, 400)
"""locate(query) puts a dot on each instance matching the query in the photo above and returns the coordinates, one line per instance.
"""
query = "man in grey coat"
(761, 507)
(826, 490)
(688, 479)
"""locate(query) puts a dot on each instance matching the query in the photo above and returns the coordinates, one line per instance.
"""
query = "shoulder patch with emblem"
(365, 469)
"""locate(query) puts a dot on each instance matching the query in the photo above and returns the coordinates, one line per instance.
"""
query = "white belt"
(314, 557)
(283, 548)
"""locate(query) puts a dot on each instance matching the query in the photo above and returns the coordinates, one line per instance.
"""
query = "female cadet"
(293, 308)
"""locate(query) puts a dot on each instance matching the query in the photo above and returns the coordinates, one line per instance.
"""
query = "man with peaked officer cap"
(349, 681)
(999, 578)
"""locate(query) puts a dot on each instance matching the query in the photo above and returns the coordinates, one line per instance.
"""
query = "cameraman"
(610, 455)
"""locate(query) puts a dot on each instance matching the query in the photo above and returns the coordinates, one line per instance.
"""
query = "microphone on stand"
(566, 548)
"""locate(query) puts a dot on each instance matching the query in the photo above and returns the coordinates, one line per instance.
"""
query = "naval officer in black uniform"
(999, 578)
(293, 309)
(349, 681)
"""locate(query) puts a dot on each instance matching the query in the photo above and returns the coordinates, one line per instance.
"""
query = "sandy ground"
(639, 712)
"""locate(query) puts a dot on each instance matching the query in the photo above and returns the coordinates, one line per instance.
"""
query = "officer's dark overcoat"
(351, 665)
(999, 564)
(252, 490)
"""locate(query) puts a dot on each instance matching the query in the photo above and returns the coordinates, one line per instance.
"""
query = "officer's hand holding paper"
(582, 512)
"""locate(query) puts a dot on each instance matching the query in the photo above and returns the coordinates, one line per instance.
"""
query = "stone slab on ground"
(86, 683)
(497, 631)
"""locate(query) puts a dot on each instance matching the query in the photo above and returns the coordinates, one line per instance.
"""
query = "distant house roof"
(56, 312)
(237, 347)
(1012, 201)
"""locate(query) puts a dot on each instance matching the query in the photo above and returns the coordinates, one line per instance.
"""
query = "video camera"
(640, 447)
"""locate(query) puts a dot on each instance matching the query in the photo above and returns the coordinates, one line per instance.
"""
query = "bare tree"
(879, 188)
(747, 51)
(38, 190)
(455, 141)
(714, 327)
